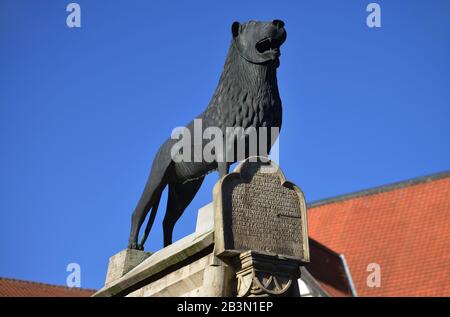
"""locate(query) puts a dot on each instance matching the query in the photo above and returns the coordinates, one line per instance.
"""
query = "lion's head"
(259, 42)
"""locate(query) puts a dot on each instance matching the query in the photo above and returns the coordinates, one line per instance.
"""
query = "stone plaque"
(257, 209)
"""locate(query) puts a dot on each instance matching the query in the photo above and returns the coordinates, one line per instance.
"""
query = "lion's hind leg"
(180, 196)
(150, 197)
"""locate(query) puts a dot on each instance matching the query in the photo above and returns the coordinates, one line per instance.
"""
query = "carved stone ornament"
(262, 275)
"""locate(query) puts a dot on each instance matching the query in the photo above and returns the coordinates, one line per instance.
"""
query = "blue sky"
(83, 111)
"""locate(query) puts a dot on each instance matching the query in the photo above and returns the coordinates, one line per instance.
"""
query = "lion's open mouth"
(268, 44)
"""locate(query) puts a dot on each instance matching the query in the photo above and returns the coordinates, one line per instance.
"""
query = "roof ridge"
(46, 284)
(381, 189)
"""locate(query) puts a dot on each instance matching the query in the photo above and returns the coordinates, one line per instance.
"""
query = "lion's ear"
(235, 28)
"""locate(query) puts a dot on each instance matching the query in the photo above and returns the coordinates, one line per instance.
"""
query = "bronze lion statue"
(246, 96)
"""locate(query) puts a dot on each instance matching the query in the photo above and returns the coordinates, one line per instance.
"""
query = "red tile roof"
(405, 228)
(330, 270)
(19, 288)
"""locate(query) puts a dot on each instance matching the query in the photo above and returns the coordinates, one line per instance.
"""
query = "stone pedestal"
(123, 262)
(251, 241)
(187, 267)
